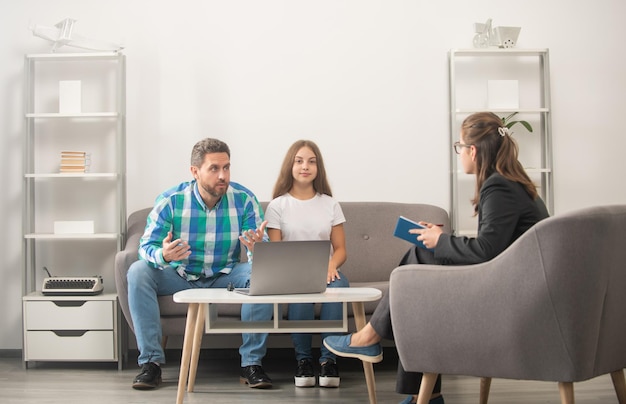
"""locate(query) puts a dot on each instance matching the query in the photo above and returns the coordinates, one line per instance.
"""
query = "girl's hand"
(333, 274)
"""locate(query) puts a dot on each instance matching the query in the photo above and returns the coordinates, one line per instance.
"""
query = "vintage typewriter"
(72, 286)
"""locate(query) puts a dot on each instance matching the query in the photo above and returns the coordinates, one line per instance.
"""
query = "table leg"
(190, 326)
(195, 350)
(368, 368)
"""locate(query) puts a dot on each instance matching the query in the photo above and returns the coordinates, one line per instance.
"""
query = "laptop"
(288, 267)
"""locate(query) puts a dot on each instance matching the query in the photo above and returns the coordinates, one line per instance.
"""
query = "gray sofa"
(373, 252)
(552, 307)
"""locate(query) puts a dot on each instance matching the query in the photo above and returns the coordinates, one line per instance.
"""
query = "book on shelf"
(73, 170)
(74, 162)
(73, 167)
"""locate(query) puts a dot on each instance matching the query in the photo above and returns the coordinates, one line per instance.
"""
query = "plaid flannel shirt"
(212, 234)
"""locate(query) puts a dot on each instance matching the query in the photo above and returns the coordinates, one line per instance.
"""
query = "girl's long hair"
(496, 151)
(285, 177)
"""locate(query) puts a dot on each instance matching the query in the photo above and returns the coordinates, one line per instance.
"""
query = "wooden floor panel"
(218, 382)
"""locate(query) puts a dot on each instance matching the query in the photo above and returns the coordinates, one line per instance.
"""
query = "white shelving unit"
(73, 328)
(470, 72)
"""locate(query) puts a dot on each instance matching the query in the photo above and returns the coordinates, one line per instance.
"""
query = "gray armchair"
(552, 307)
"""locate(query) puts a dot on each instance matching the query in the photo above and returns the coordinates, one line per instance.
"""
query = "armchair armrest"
(125, 257)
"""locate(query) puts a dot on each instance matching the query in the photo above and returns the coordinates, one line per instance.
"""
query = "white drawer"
(68, 346)
(69, 315)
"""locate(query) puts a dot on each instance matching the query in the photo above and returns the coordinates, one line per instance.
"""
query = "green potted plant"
(508, 123)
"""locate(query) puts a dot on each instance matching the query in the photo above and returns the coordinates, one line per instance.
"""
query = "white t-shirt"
(311, 219)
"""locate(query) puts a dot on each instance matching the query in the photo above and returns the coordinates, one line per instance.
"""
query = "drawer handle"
(70, 333)
(69, 303)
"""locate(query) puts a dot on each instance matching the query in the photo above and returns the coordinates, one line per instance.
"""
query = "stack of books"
(74, 162)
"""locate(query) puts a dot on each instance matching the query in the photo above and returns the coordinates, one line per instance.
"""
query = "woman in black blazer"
(507, 204)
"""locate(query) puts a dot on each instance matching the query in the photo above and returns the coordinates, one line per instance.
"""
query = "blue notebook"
(402, 231)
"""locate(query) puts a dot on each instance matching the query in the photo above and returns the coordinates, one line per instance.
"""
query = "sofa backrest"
(373, 251)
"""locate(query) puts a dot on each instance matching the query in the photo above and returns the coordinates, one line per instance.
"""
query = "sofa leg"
(567, 392)
(164, 342)
(620, 385)
(485, 386)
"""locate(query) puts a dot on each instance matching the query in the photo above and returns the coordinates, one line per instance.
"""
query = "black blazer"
(505, 212)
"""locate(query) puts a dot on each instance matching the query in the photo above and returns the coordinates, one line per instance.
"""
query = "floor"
(217, 382)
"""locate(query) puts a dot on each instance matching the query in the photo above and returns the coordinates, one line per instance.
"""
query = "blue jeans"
(145, 284)
(306, 311)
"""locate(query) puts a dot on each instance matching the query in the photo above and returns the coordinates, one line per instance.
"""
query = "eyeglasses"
(458, 146)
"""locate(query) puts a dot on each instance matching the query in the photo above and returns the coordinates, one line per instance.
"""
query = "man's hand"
(175, 250)
(249, 237)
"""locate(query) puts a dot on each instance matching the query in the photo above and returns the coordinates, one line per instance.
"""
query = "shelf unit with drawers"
(74, 327)
(71, 328)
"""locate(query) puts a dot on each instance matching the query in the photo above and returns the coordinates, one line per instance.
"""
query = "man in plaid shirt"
(193, 239)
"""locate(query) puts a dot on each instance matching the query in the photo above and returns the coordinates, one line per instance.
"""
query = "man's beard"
(213, 192)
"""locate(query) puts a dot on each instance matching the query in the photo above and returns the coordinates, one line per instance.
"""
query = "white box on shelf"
(502, 94)
(70, 96)
(73, 227)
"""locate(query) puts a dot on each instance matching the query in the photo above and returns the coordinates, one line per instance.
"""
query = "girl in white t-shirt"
(303, 209)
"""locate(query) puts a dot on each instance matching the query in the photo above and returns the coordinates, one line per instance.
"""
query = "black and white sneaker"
(305, 377)
(329, 374)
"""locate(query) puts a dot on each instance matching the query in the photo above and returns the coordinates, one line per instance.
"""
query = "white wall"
(367, 80)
